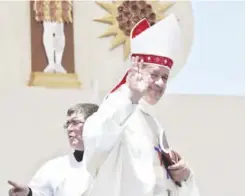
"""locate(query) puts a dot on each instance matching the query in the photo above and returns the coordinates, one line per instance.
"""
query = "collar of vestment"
(78, 155)
(146, 108)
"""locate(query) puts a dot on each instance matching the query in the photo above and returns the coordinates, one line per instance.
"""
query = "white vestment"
(119, 152)
(62, 176)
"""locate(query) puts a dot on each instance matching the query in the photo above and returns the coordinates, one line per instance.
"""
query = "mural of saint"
(53, 15)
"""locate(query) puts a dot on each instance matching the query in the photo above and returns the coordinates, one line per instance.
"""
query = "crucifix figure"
(53, 14)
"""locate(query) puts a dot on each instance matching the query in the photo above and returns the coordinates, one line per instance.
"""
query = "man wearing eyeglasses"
(64, 175)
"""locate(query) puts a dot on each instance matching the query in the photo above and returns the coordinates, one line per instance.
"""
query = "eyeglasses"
(73, 122)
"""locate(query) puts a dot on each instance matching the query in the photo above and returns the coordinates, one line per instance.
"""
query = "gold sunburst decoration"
(123, 15)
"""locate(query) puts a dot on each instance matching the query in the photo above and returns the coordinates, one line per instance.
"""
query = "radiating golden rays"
(123, 15)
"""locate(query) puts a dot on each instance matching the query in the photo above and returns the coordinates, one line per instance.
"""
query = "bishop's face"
(157, 82)
(74, 127)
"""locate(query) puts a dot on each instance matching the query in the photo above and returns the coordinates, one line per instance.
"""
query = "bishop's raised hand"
(137, 80)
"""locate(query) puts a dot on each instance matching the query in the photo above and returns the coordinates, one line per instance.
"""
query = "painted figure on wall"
(53, 14)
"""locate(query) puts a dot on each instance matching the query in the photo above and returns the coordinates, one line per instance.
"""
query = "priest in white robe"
(64, 175)
(124, 143)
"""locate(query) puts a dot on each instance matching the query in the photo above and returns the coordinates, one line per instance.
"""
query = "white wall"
(32, 118)
(209, 132)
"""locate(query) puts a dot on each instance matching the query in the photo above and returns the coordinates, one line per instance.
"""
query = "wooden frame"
(39, 59)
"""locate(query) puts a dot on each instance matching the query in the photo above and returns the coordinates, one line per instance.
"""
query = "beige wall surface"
(207, 130)
(209, 133)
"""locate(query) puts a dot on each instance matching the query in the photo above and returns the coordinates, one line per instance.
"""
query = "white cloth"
(62, 176)
(119, 151)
